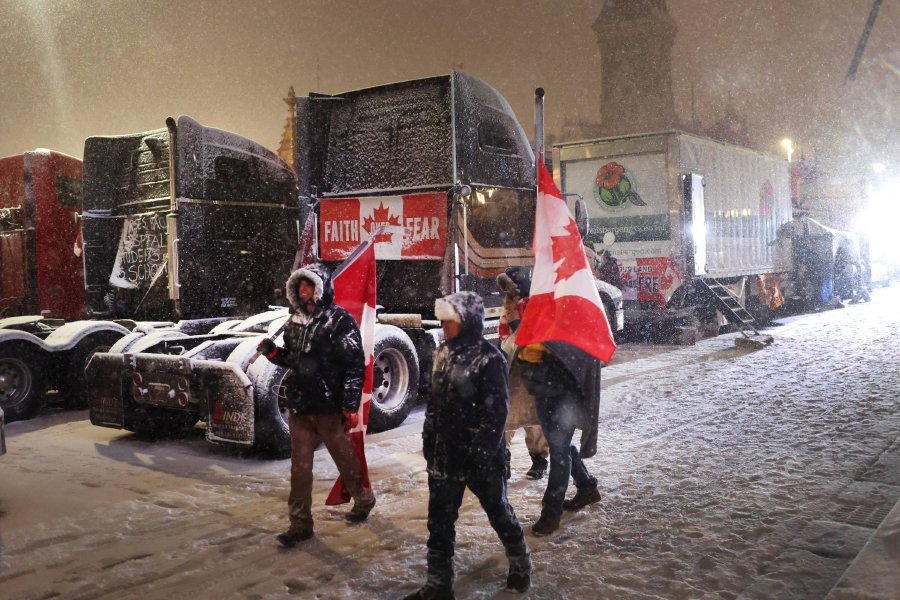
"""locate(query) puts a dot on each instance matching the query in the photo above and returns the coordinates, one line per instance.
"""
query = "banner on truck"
(415, 226)
(652, 280)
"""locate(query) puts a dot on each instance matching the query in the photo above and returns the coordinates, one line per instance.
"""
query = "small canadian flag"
(564, 304)
(355, 290)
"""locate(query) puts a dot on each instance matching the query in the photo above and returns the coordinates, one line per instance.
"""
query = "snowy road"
(725, 473)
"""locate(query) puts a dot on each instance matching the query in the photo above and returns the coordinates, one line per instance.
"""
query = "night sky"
(71, 69)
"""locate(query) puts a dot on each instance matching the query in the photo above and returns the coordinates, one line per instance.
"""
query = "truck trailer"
(683, 214)
(443, 170)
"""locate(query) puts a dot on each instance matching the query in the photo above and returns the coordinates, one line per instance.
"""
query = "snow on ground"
(724, 472)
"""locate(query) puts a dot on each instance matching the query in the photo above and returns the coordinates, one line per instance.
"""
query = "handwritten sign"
(142, 251)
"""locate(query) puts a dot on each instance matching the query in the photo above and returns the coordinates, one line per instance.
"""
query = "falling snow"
(725, 473)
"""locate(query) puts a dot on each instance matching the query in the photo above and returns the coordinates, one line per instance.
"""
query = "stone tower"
(635, 39)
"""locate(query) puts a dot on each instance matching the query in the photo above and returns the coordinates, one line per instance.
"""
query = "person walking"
(515, 283)
(462, 440)
(565, 384)
(323, 348)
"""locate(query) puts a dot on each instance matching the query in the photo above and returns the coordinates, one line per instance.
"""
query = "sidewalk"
(875, 572)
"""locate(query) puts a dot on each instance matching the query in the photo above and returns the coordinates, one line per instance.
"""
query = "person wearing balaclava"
(462, 440)
(323, 348)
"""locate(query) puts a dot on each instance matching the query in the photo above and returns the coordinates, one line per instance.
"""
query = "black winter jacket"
(325, 353)
(466, 414)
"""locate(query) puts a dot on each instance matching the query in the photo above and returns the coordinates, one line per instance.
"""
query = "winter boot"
(582, 498)
(440, 579)
(507, 469)
(544, 526)
(538, 467)
(519, 577)
(295, 534)
(430, 592)
(362, 506)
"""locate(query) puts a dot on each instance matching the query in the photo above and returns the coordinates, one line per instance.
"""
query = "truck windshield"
(501, 217)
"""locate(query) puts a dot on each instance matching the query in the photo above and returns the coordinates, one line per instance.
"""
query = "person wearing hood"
(462, 440)
(565, 383)
(515, 283)
(323, 348)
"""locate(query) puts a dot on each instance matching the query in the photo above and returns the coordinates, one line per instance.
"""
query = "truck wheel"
(272, 435)
(22, 380)
(74, 387)
(395, 384)
(155, 422)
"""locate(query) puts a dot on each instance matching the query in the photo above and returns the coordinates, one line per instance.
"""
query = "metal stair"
(717, 295)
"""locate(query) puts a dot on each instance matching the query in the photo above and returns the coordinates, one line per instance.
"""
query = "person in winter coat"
(462, 440)
(323, 348)
(565, 383)
(515, 283)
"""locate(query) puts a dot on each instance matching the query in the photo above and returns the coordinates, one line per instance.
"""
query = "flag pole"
(538, 132)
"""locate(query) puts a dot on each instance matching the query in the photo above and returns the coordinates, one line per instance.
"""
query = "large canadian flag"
(564, 304)
(354, 289)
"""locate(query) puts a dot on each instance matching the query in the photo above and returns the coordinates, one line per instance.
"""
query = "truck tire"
(395, 383)
(22, 380)
(272, 435)
(74, 386)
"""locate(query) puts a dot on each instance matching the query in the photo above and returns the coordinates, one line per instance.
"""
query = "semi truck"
(683, 213)
(441, 173)
(42, 281)
(175, 223)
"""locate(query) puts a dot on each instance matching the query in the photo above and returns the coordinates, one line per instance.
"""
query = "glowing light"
(878, 222)
(788, 146)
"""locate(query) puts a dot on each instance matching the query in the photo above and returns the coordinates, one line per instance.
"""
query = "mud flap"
(104, 375)
(229, 401)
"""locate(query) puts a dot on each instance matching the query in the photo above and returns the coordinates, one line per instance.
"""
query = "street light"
(788, 146)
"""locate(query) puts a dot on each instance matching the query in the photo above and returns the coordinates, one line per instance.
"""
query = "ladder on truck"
(727, 303)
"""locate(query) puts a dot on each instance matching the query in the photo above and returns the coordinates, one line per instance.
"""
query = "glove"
(351, 420)
(267, 348)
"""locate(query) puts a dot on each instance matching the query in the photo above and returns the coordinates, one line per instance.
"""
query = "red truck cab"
(41, 269)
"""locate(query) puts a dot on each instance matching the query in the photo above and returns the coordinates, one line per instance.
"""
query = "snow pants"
(306, 433)
(445, 498)
(558, 406)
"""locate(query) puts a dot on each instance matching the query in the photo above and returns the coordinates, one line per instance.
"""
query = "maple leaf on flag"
(568, 254)
(381, 216)
(564, 306)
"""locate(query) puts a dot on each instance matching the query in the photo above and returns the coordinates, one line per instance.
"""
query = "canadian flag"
(564, 304)
(306, 249)
(354, 289)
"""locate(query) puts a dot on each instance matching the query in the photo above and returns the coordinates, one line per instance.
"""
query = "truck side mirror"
(581, 217)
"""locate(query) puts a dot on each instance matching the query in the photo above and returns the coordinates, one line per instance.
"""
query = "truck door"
(695, 223)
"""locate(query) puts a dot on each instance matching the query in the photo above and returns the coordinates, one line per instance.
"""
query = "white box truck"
(675, 208)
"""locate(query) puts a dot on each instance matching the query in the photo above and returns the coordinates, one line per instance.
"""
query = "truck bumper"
(120, 384)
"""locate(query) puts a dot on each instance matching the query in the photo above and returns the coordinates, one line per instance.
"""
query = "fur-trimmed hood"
(319, 275)
(466, 308)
